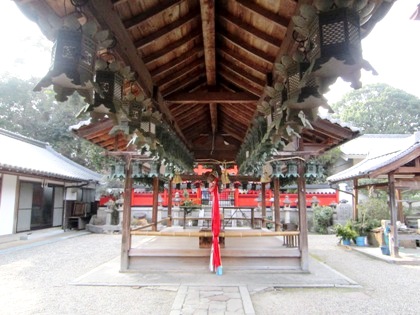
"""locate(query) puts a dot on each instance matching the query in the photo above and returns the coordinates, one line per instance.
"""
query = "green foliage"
(346, 232)
(322, 219)
(374, 209)
(37, 115)
(380, 108)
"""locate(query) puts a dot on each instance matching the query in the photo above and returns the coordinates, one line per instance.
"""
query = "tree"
(39, 116)
(380, 108)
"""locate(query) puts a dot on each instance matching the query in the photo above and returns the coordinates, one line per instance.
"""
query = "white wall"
(8, 204)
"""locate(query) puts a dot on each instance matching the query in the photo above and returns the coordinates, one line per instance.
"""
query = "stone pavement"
(203, 300)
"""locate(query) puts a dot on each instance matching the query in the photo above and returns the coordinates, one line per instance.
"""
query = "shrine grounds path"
(36, 276)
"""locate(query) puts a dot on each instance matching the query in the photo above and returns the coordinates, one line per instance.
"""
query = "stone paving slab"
(196, 300)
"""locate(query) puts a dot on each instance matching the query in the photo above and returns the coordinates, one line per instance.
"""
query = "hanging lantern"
(111, 171)
(336, 47)
(119, 170)
(169, 170)
(73, 62)
(148, 128)
(111, 91)
(177, 179)
(135, 110)
(292, 169)
(320, 171)
(278, 170)
(154, 169)
(302, 90)
(137, 169)
(311, 170)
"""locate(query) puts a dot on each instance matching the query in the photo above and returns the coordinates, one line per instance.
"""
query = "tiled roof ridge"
(67, 160)
(26, 139)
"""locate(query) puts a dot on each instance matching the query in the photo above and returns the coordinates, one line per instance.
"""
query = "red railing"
(230, 197)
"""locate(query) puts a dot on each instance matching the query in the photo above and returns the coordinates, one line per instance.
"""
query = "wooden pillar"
(355, 199)
(169, 223)
(393, 240)
(303, 224)
(263, 207)
(126, 235)
(400, 212)
(155, 202)
(276, 189)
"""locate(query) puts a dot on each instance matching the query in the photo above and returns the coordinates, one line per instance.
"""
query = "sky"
(392, 48)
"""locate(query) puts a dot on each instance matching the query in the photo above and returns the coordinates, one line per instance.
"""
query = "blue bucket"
(385, 250)
(360, 241)
(346, 241)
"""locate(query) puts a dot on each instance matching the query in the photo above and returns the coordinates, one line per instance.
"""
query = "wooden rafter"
(155, 11)
(150, 39)
(270, 16)
(212, 97)
(241, 26)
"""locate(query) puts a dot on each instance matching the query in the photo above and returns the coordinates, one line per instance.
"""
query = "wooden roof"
(205, 62)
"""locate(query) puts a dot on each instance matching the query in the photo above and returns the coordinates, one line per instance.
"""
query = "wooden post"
(303, 224)
(155, 202)
(263, 207)
(400, 212)
(276, 183)
(170, 203)
(355, 199)
(126, 235)
(393, 240)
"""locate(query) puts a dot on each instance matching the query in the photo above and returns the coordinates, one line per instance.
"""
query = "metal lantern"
(336, 33)
(302, 88)
(311, 170)
(336, 43)
(111, 86)
(119, 170)
(137, 170)
(278, 170)
(72, 63)
(320, 171)
(169, 170)
(292, 169)
(154, 169)
(148, 128)
(135, 110)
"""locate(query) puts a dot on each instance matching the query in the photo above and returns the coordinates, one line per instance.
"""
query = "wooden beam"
(209, 39)
(200, 97)
(272, 17)
(108, 18)
(243, 27)
(255, 52)
(213, 117)
(151, 38)
(154, 11)
(231, 77)
(393, 239)
(181, 84)
(170, 48)
(303, 225)
(126, 224)
(103, 11)
(242, 73)
(235, 57)
(187, 57)
(176, 76)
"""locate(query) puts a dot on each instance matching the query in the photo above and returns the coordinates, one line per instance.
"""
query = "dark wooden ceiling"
(205, 62)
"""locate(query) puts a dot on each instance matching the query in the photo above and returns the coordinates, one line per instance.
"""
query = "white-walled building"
(40, 188)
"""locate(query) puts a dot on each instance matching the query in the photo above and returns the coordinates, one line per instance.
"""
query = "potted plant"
(346, 233)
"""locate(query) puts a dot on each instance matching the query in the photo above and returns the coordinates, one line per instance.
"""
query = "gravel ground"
(36, 281)
(386, 288)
